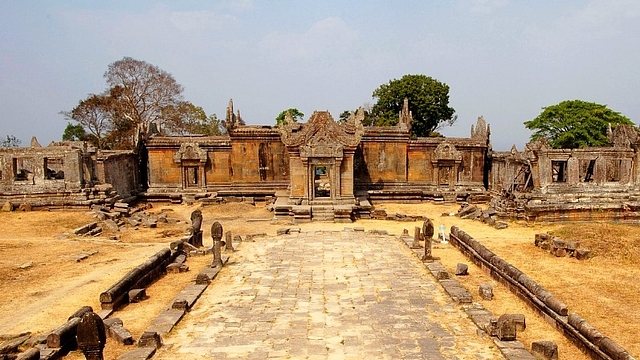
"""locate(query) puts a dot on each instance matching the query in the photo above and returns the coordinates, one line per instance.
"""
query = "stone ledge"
(142, 353)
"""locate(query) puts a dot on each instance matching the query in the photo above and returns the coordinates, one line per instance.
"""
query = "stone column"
(347, 178)
(416, 238)
(216, 235)
(308, 185)
(427, 233)
(228, 242)
(336, 193)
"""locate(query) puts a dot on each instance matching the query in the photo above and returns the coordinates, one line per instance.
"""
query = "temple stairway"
(322, 213)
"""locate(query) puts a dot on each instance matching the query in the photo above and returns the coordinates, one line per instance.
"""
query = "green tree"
(296, 114)
(74, 133)
(428, 103)
(188, 119)
(367, 121)
(10, 141)
(575, 124)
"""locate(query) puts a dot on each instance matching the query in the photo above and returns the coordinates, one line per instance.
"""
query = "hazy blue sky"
(503, 59)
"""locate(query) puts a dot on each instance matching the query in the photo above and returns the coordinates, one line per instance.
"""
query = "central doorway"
(321, 182)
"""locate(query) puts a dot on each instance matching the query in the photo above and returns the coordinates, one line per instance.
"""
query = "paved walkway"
(325, 295)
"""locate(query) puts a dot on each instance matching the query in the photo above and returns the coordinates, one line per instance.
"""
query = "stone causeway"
(326, 295)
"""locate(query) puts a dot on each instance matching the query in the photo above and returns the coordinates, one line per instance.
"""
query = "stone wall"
(61, 175)
(549, 185)
(120, 169)
(249, 159)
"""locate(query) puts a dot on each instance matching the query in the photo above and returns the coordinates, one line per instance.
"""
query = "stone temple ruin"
(544, 184)
(321, 169)
(335, 171)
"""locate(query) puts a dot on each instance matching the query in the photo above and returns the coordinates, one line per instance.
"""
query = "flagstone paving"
(325, 295)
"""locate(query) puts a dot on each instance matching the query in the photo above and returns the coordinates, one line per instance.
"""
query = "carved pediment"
(447, 152)
(190, 152)
(322, 136)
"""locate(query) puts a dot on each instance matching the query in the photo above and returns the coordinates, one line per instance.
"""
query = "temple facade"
(335, 170)
(322, 167)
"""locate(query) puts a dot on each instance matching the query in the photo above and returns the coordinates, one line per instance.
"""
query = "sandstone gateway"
(328, 170)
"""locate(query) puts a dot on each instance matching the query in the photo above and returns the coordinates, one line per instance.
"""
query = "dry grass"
(618, 242)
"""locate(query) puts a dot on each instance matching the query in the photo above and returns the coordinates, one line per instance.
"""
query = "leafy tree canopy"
(74, 133)
(367, 121)
(10, 141)
(186, 119)
(137, 95)
(575, 124)
(296, 114)
(428, 103)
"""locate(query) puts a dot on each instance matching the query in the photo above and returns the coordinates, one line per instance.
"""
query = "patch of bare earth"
(43, 283)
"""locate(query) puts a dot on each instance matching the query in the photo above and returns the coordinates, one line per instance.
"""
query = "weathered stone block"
(11, 346)
(111, 225)
(462, 269)
(120, 334)
(63, 334)
(7, 207)
(466, 210)
(142, 353)
(582, 254)
(518, 320)
(80, 312)
(31, 354)
(506, 329)
(109, 322)
(137, 295)
(560, 252)
(486, 291)
(559, 243)
(49, 354)
(150, 339)
(547, 350)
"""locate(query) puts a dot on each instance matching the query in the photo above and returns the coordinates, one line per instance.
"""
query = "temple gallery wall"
(329, 170)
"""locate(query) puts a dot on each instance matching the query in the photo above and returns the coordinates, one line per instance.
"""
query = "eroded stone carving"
(446, 151)
(322, 130)
(190, 151)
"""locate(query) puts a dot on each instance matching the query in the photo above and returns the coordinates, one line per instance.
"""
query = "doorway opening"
(321, 182)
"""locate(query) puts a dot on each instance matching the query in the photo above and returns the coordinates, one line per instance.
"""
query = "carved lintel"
(321, 150)
(447, 152)
(190, 151)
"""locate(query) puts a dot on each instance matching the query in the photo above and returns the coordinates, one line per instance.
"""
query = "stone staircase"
(322, 213)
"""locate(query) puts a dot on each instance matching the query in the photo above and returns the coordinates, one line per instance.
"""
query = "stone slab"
(165, 321)
(142, 353)
(207, 275)
(191, 293)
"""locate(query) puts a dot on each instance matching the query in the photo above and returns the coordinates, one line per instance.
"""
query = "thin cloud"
(189, 21)
(486, 6)
(596, 21)
(327, 37)
(239, 5)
